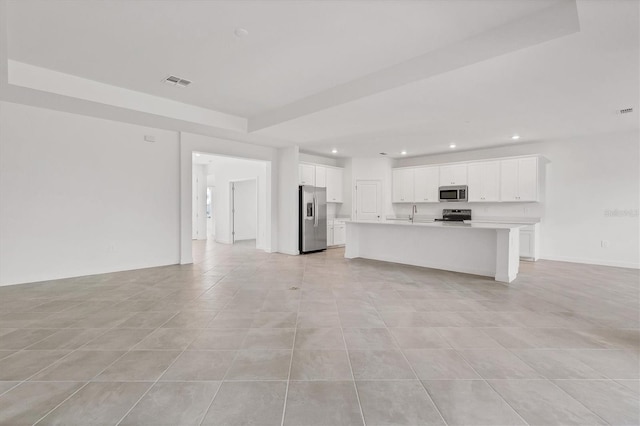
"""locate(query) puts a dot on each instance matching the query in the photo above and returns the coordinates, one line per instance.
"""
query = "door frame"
(355, 196)
(232, 217)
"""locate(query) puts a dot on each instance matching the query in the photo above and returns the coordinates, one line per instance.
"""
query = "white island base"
(487, 249)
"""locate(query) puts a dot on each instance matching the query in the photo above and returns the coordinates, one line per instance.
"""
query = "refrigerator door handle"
(315, 211)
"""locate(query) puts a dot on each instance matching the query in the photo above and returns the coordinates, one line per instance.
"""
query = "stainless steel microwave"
(453, 193)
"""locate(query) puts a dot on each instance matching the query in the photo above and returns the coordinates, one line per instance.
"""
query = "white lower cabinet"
(336, 233)
(339, 235)
(529, 242)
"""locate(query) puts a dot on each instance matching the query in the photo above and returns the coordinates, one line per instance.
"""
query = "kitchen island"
(489, 249)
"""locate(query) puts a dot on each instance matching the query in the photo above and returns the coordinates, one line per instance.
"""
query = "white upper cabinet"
(403, 184)
(519, 179)
(455, 174)
(334, 185)
(484, 181)
(307, 174)
(425, 185)
(321, 177)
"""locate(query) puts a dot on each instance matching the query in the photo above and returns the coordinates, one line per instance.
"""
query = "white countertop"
(457, 225)
(519, 220)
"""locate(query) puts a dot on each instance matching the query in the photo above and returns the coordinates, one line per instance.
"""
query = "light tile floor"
(243, 337)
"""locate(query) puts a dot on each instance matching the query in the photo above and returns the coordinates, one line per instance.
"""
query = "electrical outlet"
(604, 243)
(111, 248)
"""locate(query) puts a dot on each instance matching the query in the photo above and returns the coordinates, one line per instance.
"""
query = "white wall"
(225, 171)
(288, 159)
(245, 217)
(586, 177)
(81, 195)
(199, 202)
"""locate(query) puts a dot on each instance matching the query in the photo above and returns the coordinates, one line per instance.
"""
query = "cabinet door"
(490, 181)
(402, 191)
(307, 174)
(334, 185)
(526, 244)
(459, 174)
(330, 229)
(509, 180)
(321, 177)
(446, 176)
(339, 234)
(528, 179)
(476, 190)
(425, 189)
(455, 174)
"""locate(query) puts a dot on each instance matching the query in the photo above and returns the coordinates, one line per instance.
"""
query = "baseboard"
(599, 262)
(127, 268)
(289, 252)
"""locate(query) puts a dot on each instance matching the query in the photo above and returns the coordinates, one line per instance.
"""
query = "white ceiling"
(566, 86)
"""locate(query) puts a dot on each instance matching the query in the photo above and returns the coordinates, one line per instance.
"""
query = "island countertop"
(440, 224)
(489, 249)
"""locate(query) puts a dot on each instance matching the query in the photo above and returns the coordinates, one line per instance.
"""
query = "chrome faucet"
(414, 210)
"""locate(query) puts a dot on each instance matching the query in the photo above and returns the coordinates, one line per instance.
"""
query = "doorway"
(368, 200)
(244, 211)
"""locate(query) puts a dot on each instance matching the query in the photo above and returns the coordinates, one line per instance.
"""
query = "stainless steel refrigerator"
(312, 219)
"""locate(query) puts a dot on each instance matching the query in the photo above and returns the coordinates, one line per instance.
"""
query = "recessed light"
(197, 155)
(334, 151)
(241, 32)
(452, 145)
(403, 152)
(515, 137)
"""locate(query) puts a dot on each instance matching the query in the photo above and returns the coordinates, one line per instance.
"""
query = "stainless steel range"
(455, 215)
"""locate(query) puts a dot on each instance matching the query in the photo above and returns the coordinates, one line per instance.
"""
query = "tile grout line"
(170, 364)
(69, 354)
(293, 347)
(458, 351)
(400, 349)
(204, 415)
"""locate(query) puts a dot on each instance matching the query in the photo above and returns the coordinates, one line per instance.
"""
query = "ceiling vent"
(176, 81)
(626, 110)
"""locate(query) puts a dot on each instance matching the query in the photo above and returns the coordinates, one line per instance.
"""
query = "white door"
(307, 174)
(460, 174)
(453, 175)
(368, 200)
(339, 235)
(334, 185)
(402, 190)
(425, 184)
(528, 179)
(321, 177)
(490, 181)
(475, 182)
(244, 211)
(509, 180)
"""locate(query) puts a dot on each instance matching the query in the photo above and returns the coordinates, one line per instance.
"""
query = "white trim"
(484, 160)
(599, 262)
(289, 252)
